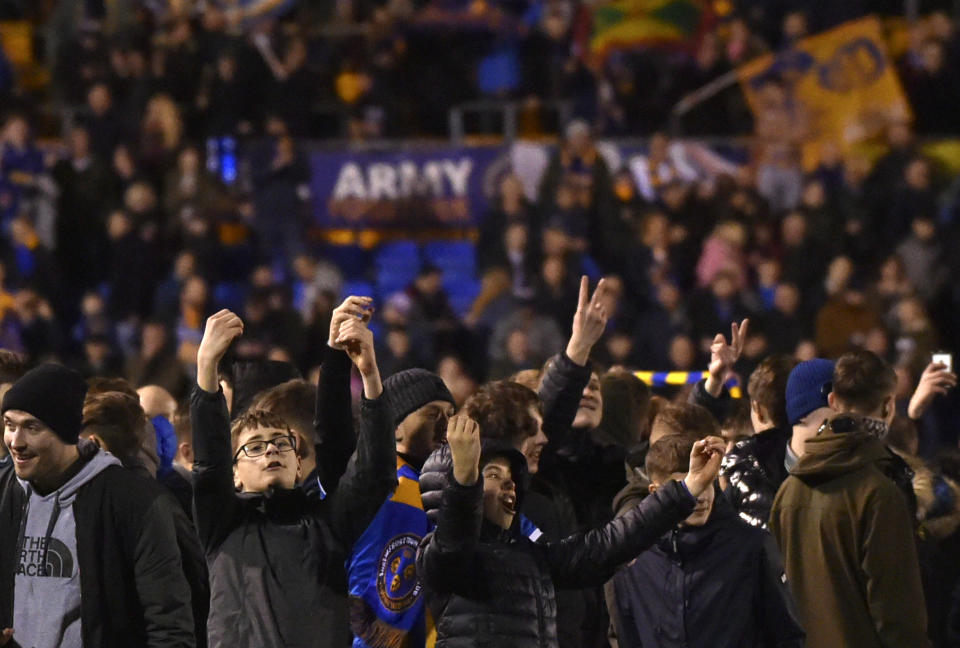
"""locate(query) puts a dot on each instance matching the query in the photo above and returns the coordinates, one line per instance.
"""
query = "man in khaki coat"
(844, 527)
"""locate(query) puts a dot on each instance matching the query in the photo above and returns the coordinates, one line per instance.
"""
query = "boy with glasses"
(263, 459)
(271, 547)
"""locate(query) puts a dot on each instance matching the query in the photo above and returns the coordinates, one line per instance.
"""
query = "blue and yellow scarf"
(386, 603)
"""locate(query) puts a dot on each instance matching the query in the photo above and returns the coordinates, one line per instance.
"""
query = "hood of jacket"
(831, 454)
(518, 471)
(94, 461)
(438, 471)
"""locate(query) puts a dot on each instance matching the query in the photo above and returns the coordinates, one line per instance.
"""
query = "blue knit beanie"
(807, 388)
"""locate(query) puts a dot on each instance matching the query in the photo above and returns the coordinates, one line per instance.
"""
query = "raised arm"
(936, 380)
(214, 500)
(445, 557)
(590, 559)
(568, 375)
(333, 420)
(371, 474)
(711, 393)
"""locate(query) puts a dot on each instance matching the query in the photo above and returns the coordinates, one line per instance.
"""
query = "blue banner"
(402, 190)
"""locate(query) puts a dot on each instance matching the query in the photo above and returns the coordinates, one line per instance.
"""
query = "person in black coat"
(272, 548)
(756, 467)
(549, 508)
(488, 584)
(711, 581)
(108, 572)
(115, 420)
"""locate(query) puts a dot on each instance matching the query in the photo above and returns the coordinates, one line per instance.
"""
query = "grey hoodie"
(46, 610)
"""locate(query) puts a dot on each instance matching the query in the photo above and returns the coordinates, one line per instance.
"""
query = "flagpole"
(698, 96)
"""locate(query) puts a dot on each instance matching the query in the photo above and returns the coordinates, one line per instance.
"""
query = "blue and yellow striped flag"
(677, 378)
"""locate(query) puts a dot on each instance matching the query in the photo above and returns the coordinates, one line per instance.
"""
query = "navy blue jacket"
(720, 585)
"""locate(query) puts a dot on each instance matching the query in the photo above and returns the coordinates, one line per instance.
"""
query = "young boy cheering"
(269, 545)
(488, 584)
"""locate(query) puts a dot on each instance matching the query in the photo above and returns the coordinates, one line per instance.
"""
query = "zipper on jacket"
(540, 622)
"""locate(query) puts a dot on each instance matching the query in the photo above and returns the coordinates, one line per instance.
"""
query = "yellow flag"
(837, 87)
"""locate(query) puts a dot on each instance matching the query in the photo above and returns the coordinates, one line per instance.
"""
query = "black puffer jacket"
(434, 478)
(755, 468)
(492, 587)
(549, 505)
(578, 477)
(560, 398)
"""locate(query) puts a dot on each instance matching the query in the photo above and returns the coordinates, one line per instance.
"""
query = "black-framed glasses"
(255, 449)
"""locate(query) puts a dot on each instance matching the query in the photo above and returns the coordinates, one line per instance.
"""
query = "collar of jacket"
(494, 534)
(280, 504)
(771, 438)
(770, 447)
(684, 540)
(845, 423)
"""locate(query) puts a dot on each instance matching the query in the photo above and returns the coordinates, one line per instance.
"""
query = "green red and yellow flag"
(645, 24)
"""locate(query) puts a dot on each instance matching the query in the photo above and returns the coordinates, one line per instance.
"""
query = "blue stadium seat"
(451, 255)
(358, 288)
(403, 253)
(390, 281)
(230, 294)
(353, 261)
(396, 264)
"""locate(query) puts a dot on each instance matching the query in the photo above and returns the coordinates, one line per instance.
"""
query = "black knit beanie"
(408, 391)
(54, 395)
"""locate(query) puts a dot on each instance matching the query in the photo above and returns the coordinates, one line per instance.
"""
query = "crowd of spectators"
(118, 240)
(162, 179)
(358, 68)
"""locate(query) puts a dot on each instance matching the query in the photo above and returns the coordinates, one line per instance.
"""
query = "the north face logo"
(47, 561)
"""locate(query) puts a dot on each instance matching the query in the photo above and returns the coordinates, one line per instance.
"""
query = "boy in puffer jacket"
(487, 584)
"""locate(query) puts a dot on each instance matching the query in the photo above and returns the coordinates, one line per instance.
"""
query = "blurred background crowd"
(124, 222)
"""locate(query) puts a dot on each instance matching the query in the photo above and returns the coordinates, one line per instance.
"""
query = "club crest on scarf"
(397, 582)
